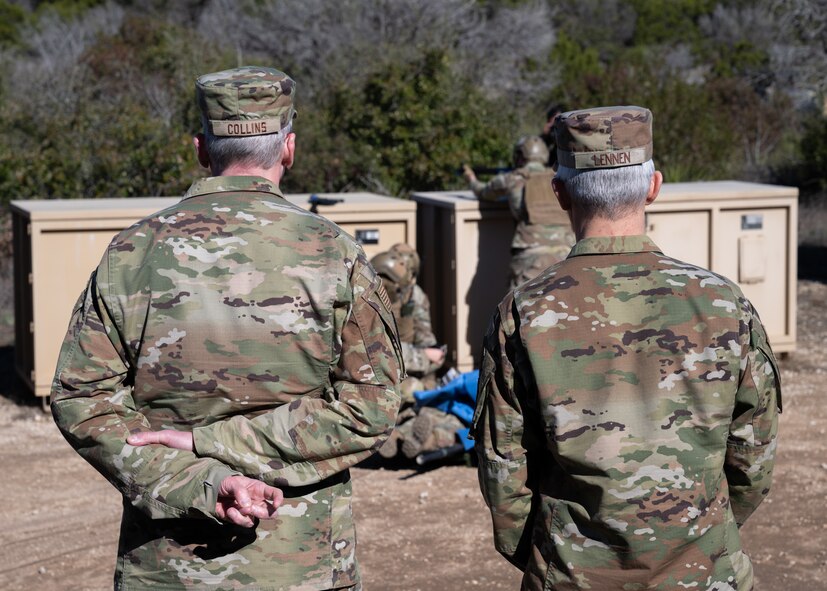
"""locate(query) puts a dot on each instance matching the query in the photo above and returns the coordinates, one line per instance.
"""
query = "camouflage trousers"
(527, 263)
(422, 430)
(413, 384)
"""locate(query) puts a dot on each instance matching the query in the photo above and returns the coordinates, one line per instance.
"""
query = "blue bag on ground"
(457, 397)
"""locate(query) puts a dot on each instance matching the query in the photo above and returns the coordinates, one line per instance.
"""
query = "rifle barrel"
(438, 454)
(487, 170)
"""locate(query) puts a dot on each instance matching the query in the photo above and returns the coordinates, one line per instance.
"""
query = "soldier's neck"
(630, 225)
(273, 174)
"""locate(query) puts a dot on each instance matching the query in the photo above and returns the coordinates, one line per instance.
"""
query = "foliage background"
(97, 99)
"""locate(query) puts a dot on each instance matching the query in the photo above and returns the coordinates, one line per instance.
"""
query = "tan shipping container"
(745, 231)
(57, 244)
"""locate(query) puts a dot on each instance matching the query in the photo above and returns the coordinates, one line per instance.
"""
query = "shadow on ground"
(400, 462)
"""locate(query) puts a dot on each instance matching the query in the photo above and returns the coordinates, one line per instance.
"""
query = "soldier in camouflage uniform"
(628, 404)
(543, 234)
(426, 429)
(228, 345)
(399, 268)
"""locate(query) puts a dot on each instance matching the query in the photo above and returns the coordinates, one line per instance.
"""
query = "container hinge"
(453, 265)
(453, 309)
(32, 376)
(31, 327)
(28, 229)
(31, 278)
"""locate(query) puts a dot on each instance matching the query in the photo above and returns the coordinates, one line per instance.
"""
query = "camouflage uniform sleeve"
(498, 187)
(92, 405)
(753, 432)
(314, 438)
(503, 440)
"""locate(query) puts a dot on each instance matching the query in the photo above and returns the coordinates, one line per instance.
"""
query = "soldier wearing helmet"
(409, 254)
(395, 275)
(399, 268)
(543, 234)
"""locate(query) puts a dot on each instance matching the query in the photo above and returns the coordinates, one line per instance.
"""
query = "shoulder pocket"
(761, 342)
(767, 353)
(486, 373)
(378, 300)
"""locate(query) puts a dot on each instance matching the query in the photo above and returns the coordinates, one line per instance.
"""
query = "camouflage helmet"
(409, 255)
(391, 266)
(531, 148)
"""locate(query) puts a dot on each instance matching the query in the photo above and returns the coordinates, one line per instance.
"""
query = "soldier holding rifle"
(543, 235)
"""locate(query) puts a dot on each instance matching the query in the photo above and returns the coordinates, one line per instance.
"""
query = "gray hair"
(256, 150)
(608, 192)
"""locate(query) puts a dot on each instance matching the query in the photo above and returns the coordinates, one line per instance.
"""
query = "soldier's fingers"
(235, 517)
(241, 495)
(260, 510)
(274, 496)
(144, 438)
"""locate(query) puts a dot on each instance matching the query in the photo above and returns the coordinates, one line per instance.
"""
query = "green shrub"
(11, 17)
(409, 126)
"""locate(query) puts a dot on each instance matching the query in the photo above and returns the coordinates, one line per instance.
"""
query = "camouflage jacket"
(626, 422)
(510, 186)
(417, 310)
(261, 328)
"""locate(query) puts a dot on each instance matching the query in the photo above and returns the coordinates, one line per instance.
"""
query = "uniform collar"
(614, 245)
(220, 184)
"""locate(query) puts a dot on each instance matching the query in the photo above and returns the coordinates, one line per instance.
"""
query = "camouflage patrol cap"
(246, 101)
(604, 137)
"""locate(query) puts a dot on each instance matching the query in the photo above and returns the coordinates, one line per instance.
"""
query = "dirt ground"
(417, 530)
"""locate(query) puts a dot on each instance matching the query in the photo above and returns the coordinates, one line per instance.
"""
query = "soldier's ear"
(200, 143)
(654, 187)
(288, 153)
(562, 194)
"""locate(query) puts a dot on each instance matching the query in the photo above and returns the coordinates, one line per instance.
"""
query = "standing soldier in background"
(552, 113)
(254, 338)
(543, 235)
(628, 405)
